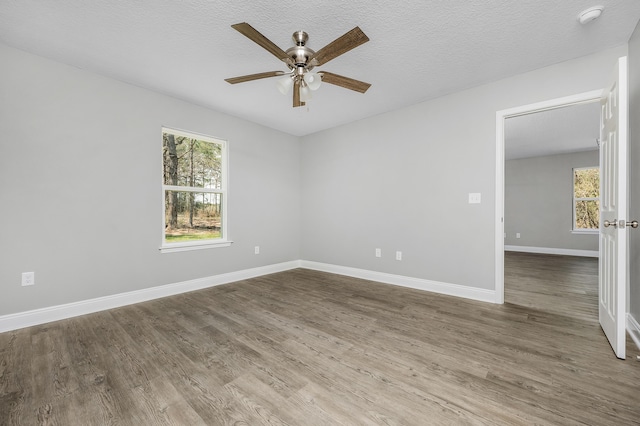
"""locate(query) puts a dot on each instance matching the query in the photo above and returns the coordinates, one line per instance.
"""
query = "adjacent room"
(347, 213)
(551, 210)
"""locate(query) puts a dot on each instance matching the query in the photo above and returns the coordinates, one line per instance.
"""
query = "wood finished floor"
(551, 283)
(309, 348)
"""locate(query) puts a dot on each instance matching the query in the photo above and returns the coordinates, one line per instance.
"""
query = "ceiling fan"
(301, 60)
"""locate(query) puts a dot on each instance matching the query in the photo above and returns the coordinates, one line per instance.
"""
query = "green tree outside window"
(586, 198)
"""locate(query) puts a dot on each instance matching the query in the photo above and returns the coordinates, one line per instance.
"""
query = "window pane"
(192, 216)
(191, 162)
(588, 214)
(586, 183)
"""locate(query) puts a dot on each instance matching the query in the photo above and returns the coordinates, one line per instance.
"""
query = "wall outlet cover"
(28, 278)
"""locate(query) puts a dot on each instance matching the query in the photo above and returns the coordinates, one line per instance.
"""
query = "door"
(613, 209)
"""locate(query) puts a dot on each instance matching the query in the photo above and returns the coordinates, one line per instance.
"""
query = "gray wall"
(538, 201)
(400, 181)
(80, 169)
(80, 176)
(634, 170)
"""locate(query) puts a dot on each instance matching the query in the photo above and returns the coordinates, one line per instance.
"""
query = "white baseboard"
(633, 327)
(549, 250)
(400, 280)
(69, 310)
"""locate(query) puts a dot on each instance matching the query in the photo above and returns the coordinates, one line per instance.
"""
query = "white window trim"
(188, 246)
(575, 230)
(224, 225)
(585, 231)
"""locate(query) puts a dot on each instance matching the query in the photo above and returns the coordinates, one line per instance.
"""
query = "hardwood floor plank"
(163, 404)
(16, 394)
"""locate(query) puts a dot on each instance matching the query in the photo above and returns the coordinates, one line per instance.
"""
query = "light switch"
(474, 198)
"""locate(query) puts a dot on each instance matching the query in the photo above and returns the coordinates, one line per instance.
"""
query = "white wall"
(634, 170)
(400, 181)
(538, 201)
(80, 183)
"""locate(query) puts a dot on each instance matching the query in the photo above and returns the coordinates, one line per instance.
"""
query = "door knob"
(615, 223)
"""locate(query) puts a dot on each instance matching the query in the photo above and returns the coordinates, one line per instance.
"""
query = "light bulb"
(313, 80)
(284, 84)
(305, 94)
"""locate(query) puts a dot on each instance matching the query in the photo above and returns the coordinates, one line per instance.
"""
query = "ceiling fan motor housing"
(300, 53)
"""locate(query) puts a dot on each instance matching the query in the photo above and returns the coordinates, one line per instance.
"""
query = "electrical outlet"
(398, 255)
(378, 252)
(28, 278)
(517, 235)
(256, 250)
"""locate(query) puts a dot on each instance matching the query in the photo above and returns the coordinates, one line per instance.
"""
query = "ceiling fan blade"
(254, 35)
(342, 44)
(296, 94)
(346, 82)
(250, 77)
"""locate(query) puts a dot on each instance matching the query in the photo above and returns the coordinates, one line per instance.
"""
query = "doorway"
(501, 117)
(551, 228)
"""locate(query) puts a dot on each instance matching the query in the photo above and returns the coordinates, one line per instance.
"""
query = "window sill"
(586, 231)
(188, 246)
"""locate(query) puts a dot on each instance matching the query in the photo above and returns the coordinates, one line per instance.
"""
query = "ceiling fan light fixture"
(284, 84)
(313, 80)
(300, 60)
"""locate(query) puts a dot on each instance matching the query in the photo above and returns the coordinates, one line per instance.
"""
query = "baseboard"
(633, 327)
(403, 281)
(549, 250)
(69, 310)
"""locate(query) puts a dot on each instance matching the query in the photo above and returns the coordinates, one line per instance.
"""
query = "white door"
(613, 208)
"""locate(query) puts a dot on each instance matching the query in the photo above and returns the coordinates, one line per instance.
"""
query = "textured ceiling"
(419, 49)
(557, 131)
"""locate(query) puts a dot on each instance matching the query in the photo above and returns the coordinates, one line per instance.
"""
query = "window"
(194, 186)
(586, 199)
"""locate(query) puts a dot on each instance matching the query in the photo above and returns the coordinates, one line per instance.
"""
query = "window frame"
(574, 229)
(224, 241)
